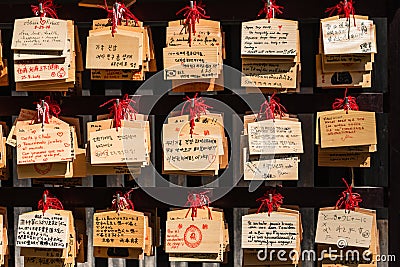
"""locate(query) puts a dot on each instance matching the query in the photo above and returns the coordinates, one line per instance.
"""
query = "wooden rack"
(317, 186)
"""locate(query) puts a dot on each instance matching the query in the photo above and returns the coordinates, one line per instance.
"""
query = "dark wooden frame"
(317, 187)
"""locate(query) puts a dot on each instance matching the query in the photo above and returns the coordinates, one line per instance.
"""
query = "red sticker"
(61, 73)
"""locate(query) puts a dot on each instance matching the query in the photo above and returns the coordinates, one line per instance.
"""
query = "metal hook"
(41, 8)
(352, 176)
(191, 4)
(118, 200)
(346, 104)
(44, 199)
(270, 197)
(347, 196)
(192, 100)
(269, 99)
(43, 105)
(269, 4)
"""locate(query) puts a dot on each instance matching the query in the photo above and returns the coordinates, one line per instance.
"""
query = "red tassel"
(348, 200)
(197, 107)
(45, 109)
(118, 13)
(121, 109)
(271, 108)
(54, 107)
(198, 201)
(48, 201)
(193, 13)
(347, 103)
(122, 201)
(345, 8)
(270, 9)
(271, 201)
(46, 8)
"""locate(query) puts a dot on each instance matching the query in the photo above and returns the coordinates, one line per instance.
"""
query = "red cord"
(121, 109)
(47, 108)
(347, 103)
(270, 9)
(196, 107)
(348, 200)
(48, 201)
(271, 108)
(345, 8)
(198, 201)
(123, 202)
(45, 8)
(192, 15)
(271, 201)
(118, 13)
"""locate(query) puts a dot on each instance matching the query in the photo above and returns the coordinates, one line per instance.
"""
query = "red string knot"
(271, 201)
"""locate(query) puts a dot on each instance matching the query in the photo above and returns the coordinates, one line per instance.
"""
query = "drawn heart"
(60, 134)
(34, 131)
(280, 27)
(67, 145)
(19, 146)
(46, 159)
(211, 158)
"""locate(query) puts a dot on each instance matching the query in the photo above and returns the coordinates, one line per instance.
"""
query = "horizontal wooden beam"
(239, 197)
(295, 103)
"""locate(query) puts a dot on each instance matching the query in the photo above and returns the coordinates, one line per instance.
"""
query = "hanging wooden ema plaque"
(47, 147)
(120, 144)
(195, 144)
(347, 46)
(270, 50)
(195, 51)
(347, 234)
(120, 47)
(121, 232)
(197, 234)
(271, 228)
(271, 143)
(47, 236)
(4, 250)
(44, 51)
(5, 154)
(3, 66)
(345, 136)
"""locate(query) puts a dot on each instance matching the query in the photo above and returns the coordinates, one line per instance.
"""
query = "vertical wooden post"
(115, 181)
(18, 260)
(394, 81)
(178, 180)
(306, 179)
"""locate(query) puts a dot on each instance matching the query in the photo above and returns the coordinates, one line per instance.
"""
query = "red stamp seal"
(43, 168)
(61, 73)
(193, 237)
